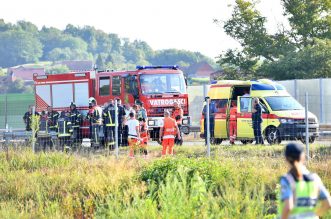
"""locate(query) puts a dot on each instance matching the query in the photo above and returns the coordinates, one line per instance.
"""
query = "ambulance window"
(221, 105)
(116, 86)
(245, 104)
(104, 86)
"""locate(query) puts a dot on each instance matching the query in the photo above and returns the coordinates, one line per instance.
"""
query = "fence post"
(33, 130)
(204, 91)
(116, 129)
(208, 126)
(295, 89)
(321, 101)
(307, 125)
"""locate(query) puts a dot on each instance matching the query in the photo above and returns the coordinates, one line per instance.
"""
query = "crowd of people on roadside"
(67, 126)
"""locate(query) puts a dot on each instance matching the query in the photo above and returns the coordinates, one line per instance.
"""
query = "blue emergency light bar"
(141, 67)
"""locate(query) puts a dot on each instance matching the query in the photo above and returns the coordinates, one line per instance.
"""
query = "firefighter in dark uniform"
(109, 124)
(64, 129)
(43, 135)
(28, 118)
(95, 117)
(53, 116)
(76, 122)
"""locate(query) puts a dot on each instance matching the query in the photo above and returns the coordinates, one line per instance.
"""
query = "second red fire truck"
(157, 87)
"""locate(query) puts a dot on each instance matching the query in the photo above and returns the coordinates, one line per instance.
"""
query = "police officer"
(95, 117)
(27, 118)
(257, 121)
(43, 135)
(301, 190)
(109, 124)
(65, 130)
(76, 121)
(212, 111)
(53, 116)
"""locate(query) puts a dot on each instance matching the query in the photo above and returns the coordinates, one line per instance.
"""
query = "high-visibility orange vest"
(169, 127)
(233, 113)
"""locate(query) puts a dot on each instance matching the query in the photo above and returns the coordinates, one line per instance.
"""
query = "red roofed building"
(25, 73)
(200, 70)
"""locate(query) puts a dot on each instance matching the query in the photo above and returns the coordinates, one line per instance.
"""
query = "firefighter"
(27, 118)
(76, 121)
(109, 124)
(53, 116)
(43, 135)
(143, 136)
(95, 117)
(177, 114)
(133, 134)
(64, 130)
(302, 193)
(167, 134)
(122, 127)
(233, 122)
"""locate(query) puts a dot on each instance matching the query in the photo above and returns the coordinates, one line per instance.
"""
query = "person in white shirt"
(133, 133)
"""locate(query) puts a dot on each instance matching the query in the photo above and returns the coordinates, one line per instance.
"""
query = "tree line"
(301, 49)
(23, 42)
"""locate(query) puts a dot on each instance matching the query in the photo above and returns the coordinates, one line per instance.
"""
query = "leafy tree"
(263, 54)
(59, 54)
(100, 63)
(18, 47)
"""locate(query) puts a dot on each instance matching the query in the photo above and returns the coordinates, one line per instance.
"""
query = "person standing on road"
(167, 134)
(109, 124)
(133, 133)
(27, 118)
(177, 115)
(233, 122)
(122, 127)
(257, 121)
(95, 117)
(212, 111)
(53, 116)
(302, 193)
(76, 122)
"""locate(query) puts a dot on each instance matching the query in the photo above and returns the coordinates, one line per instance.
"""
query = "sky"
(163, 24)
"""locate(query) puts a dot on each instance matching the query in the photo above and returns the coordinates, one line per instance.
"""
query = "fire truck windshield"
(162, 83)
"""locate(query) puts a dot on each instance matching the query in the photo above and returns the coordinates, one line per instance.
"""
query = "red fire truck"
(157, 87)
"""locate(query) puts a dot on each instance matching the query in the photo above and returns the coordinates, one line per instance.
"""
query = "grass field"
(236, 182)
(17, 106)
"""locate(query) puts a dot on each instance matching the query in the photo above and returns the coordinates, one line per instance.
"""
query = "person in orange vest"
(233, 122)
(177, 114)
(143, 135)
(167, 134)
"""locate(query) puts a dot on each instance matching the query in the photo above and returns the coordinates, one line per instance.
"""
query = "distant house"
(215, 75)
(25, 73)
(77, 66)
(199, 70)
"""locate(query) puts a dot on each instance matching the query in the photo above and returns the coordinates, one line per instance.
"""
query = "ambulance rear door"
(244, 118)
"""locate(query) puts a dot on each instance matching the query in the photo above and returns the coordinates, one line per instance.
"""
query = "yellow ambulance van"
(283, 116)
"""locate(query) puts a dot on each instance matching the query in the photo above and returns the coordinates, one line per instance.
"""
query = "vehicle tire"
(311, 140)
(272, 135)
(246, 142)
(216, 141)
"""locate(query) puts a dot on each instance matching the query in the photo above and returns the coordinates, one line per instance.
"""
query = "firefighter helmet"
(92, 100)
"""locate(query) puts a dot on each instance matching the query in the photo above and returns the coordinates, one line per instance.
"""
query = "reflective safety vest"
(76, 118)
(53, 117)
(43, 127)
(233, 114)
(169, 128)
(64, 127)
(109, 116)
(178, 115)
(305, 197)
